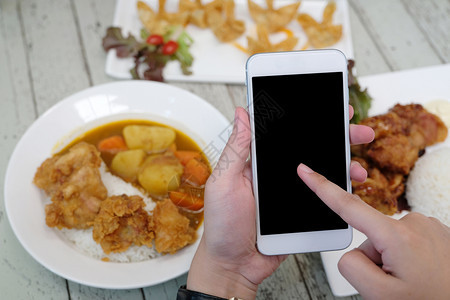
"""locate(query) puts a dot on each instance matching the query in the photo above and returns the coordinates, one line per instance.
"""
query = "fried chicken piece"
(77, 201)
(379, 191)
(394, 153)
(74, 183)
(387, 124)
(121, 222)
(382, 125)
(426, 129)
(400, 135)
(172, 230)
(56, 170)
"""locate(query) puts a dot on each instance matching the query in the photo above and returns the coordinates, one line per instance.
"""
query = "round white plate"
(68, 119)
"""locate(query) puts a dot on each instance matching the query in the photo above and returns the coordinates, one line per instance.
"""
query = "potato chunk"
(160, 174)
(148, 138)
(127, 163)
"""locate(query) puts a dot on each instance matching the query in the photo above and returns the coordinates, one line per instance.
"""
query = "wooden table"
(50, 49)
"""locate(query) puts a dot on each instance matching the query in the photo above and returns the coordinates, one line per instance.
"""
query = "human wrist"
(208, 276)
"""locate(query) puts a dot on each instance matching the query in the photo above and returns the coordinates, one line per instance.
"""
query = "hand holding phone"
(298, 106)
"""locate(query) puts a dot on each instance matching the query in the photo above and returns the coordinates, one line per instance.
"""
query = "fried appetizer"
(172, 230)
(158, 22)
(121, 222)
(222, 21)
(321, 34)
(73, 182)
(274, 19)
(197, 13)
(263, 44)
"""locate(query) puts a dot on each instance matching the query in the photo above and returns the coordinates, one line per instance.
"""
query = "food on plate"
(401, 135)
(160, 174)
(263, 44)
(381, 190)
(164, 36)
(273, 19)
(125, 183)
(159, 22)
(197, 12)
(151, 57)
(321, 34)
(221, 19)
(73, 182)
(148, 138)
(121, 222)
(127, 163)
(172, 229)
(428, 185)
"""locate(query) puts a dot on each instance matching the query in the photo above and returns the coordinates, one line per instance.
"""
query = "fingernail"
(305, 168)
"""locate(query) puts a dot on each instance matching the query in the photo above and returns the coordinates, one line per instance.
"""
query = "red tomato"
(170, 47)
(155, 39)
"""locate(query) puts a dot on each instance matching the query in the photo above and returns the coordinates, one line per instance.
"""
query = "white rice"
(428, 185)
(83, 241)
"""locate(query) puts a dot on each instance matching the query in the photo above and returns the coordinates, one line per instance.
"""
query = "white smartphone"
(298, 107)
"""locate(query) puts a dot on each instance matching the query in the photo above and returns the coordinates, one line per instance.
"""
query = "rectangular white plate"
(215, 61)
(410, 86)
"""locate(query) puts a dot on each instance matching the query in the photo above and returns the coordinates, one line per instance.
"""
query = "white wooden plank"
(368, 59)
(56, 61)
(432, 17)
(286, 282)
(21, 277)
(93, 17)
(400, 41)
(78, 291)
(238, 94)
(315, 277)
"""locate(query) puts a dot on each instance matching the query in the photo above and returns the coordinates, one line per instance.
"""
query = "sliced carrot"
(196, 172)
(112, 144)
(185, 155)
(186, 200)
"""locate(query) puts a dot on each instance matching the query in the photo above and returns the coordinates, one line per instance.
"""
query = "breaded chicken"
(379, 191)
(172, 230)
(77, 201)
(400, 136)
(56, 170)
(394, 153)
(121, 222)
(73, 182)
(426, 129)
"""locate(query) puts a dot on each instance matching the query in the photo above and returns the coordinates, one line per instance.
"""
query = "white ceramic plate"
(61, 124)
(411, 86)
(215, 61)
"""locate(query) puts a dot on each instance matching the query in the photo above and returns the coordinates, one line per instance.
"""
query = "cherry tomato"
(155, 39)
(170, 47)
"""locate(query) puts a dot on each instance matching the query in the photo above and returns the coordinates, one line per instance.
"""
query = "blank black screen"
(298, 119)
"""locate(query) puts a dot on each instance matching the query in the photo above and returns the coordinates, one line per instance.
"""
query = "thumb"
(363, 274)
(234, 156)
